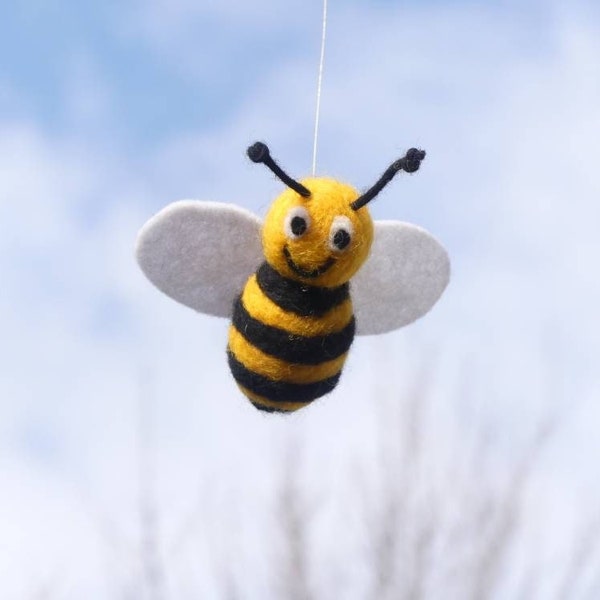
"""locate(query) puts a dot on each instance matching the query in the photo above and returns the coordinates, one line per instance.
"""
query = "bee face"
(322, 240)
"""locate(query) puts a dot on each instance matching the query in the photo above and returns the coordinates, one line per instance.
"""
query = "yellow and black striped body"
(288, 341)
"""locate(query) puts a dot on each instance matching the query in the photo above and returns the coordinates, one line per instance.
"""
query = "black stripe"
(279, 391)
(267, 408)
(290, 347)
(293, 296)
(270, 409)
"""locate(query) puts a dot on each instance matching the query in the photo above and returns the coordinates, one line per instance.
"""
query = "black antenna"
(409, 163)
(259, 153)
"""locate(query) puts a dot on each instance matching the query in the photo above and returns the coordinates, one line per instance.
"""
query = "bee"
(300, 285)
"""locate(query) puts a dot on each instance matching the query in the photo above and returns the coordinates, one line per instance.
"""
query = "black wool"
(279, 391)
(409, 163)
(259, 153)
(293, 348)
(299, 298)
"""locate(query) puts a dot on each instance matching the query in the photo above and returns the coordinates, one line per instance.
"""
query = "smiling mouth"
(302, 272)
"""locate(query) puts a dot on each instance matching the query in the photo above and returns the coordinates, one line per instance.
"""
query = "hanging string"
(319, 85)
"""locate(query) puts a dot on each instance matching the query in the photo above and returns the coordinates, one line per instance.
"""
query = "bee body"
(288, 341)
(284, 282)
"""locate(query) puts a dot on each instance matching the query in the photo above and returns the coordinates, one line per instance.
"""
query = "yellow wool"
(279, 406)
(311, 256)
(277, 369)
(267, 312)
(329, 199)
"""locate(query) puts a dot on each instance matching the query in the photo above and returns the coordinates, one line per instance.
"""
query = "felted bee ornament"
(298, 286)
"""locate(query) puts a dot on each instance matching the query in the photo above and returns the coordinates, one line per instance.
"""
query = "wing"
(406, 273)
(200, 253)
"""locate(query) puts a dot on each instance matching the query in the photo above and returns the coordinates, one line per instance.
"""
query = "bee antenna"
(259, 153)
(410, 163)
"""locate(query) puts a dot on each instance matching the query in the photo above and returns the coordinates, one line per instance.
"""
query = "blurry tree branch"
(153, 575)
(294, 519)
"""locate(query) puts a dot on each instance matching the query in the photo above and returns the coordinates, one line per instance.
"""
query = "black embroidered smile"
(302, 272)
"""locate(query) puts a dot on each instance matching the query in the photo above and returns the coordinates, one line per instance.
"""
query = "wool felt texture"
(296, 309)
(280, 348)
(275, 311)
(277, 390)
(291, 347)
(270, 406)
(301, 299)
(401, 281)
(259, 153)
(292, 288)
(409, 163)
(309, 258)
(200, 253)
(270, 366)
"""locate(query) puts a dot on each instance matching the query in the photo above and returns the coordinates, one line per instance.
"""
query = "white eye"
(297, 222)
(340, 234)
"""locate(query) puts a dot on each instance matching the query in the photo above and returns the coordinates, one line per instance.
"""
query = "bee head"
(322, 241)
(319, 231)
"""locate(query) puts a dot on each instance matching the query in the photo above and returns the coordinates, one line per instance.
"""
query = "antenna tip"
(258, 152)
(412, 161)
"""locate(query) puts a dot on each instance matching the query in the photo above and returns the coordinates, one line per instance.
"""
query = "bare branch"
(153, 576)
(294, 521)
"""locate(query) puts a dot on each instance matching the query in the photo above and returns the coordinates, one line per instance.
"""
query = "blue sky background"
(108, 111)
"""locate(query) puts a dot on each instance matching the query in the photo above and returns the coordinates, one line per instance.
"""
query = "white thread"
(319, 84)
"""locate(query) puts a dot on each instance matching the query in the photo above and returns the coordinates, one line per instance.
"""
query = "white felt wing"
(404, 276)
(201, 253)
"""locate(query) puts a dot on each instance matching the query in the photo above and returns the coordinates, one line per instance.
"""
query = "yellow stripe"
(267, 312)
(286, 406)
(274, 368)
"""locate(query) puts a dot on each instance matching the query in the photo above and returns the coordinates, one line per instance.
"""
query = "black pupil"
(341, 239)
(298, 225)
